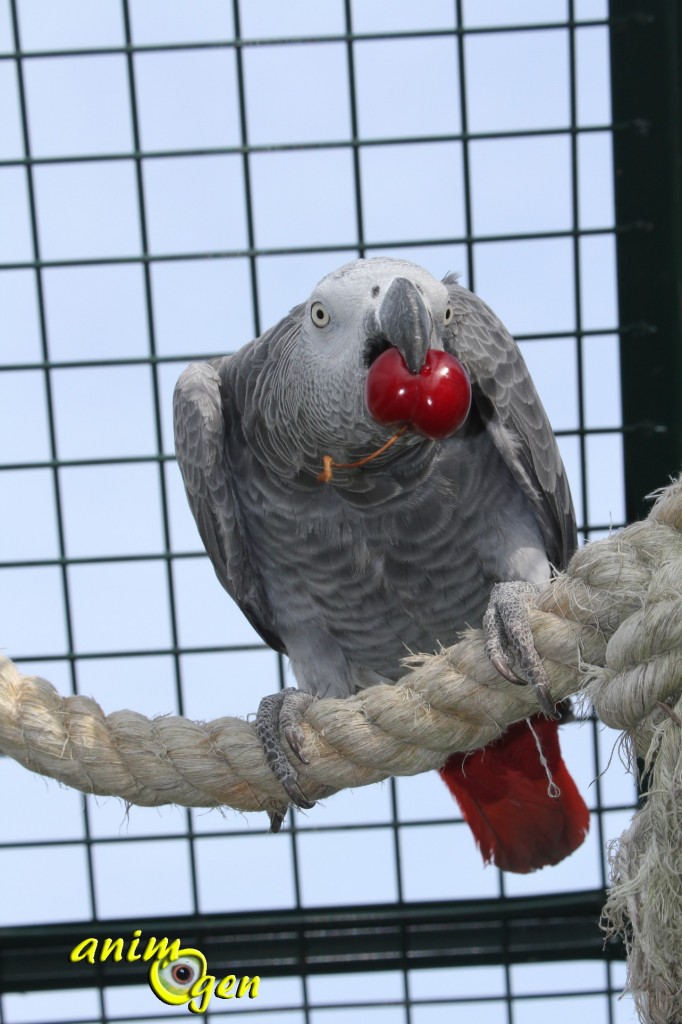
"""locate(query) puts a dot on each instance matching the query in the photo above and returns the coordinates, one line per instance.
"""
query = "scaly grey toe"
(509, 640)
(283, 710)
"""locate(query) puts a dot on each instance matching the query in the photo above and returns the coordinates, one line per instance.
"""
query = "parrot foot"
(509, 640)
(283, 711)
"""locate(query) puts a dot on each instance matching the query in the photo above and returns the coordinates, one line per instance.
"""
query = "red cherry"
(435, 402)
(390, 389)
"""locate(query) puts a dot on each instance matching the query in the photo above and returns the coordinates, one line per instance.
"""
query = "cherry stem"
(330, 465)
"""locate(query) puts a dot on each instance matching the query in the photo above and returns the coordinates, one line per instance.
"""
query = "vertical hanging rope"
(640, 690)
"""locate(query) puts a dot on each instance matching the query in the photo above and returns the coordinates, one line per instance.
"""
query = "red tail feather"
(502, 791)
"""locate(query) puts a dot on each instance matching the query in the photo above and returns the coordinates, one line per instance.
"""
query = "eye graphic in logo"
(172, 980)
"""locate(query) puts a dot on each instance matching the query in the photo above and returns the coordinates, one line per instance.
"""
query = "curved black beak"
(405, 322)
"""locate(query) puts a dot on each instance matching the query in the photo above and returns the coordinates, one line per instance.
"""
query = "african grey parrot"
(403, 552)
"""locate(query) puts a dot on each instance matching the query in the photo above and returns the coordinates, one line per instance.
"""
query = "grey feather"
(401, 554)
(515, 418)
(200, 446)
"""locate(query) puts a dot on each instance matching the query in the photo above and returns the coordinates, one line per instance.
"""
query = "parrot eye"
(319, 314)
(447, 317)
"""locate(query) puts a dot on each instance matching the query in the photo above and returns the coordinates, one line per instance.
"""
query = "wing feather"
(200, 426)
(514, 416)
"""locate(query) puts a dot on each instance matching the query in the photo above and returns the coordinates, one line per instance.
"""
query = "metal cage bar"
(646, 44)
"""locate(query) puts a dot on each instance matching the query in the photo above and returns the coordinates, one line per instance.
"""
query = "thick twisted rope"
(613, 621)
(610, 627)
(639, 689)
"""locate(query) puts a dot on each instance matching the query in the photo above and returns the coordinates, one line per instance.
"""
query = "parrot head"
(371, 314)
(367, 306)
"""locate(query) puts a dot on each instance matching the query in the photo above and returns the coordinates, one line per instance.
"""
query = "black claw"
(293, 790)
(294, 738)
(506, 626)
(545, 701)
(505, 671)
(277, 819)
